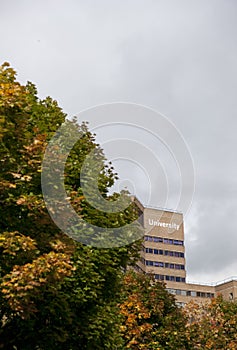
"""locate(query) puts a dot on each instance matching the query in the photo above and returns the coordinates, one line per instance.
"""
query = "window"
(169, 278)
(171, 266)
(148, 238)
(193, 294)
(149, 263)
(156, 251)
(158, 264)
(159, 277)
(183, 292)
(175, 278)
(171, 291)
(178, 291)
(176, 254)
(209, 295)
(158, 239)
(177, 242)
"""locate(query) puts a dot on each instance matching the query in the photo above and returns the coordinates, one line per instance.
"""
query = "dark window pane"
(158, 239)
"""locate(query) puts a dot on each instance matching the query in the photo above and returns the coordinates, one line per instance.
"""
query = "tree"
(55, 292)
(212, 325)
(151, 320)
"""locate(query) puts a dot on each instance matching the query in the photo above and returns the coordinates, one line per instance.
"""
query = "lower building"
(163, 255)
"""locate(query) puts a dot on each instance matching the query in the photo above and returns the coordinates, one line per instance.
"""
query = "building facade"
(163, 255)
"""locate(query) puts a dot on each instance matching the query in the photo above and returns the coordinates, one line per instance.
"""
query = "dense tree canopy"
(151, 320)
(55, 292)
(212, 326)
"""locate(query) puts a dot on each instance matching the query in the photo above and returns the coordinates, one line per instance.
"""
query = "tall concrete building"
(163, 255)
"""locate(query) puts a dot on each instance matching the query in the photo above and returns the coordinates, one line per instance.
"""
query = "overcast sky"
(177, 57)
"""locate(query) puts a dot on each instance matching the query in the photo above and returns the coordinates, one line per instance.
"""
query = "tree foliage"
(54, 292)
(212, 326)
(151, 319)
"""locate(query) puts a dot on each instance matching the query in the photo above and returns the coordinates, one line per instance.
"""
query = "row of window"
(164, 252)
(166, 265)
(163, 240)
(190, 293)
(169, 278)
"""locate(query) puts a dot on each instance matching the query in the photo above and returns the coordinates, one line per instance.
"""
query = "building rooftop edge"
(214, 284)
(146, 206)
